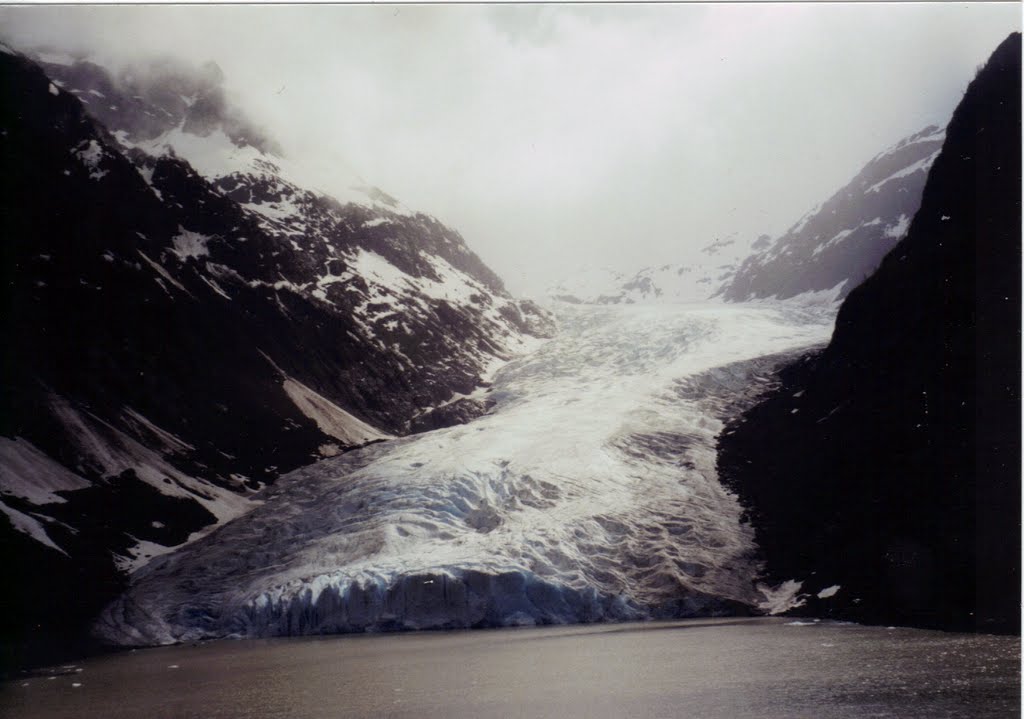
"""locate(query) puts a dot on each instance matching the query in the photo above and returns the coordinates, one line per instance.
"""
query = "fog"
(554, 136)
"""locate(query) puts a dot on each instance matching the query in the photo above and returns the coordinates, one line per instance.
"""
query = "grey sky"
(553, 136)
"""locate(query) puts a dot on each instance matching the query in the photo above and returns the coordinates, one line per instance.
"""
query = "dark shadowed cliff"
(890, 463)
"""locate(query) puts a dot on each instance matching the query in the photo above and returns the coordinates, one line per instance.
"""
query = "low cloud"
(553, 136)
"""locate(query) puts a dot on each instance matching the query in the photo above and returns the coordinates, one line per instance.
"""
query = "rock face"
(837, 244)
(889, 464)
(186, 318)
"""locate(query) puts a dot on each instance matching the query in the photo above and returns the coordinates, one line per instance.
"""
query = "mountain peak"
(149, 99)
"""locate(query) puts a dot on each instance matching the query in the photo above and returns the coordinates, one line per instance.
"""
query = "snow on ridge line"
(921, 165)
(827, 298)
(939, 134)
(215, 156)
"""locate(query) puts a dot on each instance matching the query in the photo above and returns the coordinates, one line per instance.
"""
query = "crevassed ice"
(589, 493)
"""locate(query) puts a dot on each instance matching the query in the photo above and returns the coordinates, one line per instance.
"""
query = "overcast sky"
(555, 136)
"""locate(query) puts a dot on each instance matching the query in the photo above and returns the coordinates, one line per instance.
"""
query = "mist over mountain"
(606, 135)
(689, 282)
(827, 252)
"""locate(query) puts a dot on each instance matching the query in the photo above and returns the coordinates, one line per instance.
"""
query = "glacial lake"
(729, 668)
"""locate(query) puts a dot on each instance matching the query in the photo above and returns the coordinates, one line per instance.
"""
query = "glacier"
(588, 493)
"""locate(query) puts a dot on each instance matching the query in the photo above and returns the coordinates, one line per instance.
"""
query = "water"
(729, 668)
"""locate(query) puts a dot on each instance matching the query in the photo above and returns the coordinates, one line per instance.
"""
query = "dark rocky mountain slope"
(183, 321)
(838, 243)
(889, 464)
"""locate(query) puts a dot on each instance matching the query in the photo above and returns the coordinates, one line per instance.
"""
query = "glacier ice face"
(589, 493)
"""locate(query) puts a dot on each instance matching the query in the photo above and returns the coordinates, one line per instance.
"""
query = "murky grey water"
(701, 668)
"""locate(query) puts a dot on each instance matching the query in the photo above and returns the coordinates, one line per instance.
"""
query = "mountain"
(823, 256)
(835, 245)
(884, 473)
(671, 283)
(186, 317)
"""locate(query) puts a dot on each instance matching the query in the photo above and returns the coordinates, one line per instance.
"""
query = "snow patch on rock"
(329, 417)
(91, 154)
(27, 473)
(188, 244)
(30, 526)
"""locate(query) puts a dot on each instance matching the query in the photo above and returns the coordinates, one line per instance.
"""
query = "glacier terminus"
(588, 493)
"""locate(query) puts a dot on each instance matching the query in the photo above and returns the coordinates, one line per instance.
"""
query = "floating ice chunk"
(782, 598)
(828, 592)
